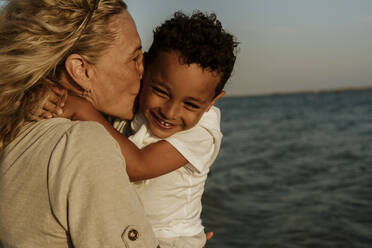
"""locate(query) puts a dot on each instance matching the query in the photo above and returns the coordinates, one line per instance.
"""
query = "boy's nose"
(170, 111)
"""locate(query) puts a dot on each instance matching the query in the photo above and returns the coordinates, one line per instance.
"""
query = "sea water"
(293, 171)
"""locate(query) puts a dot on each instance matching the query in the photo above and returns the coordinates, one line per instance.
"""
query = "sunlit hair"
(36, 36)
(200, 39)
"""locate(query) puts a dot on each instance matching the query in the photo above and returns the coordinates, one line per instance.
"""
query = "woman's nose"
(140, 66)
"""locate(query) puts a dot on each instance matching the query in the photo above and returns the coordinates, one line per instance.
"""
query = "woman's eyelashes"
(137, 58)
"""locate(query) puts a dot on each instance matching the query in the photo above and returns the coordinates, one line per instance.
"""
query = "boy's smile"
(174, 96)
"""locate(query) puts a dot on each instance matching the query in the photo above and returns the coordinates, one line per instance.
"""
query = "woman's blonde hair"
(36, 36)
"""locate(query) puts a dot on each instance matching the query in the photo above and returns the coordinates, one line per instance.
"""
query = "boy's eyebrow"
(196, 100)
(188, 98)
(162, 84)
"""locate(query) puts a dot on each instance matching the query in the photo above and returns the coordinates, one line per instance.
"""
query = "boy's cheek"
(193, 118)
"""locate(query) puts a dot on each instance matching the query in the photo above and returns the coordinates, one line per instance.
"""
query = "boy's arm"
(151, 161)
(154, 160)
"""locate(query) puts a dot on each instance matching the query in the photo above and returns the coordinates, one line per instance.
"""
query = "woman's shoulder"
(88, 139)
(86, 128)
(61, 128)
(85, 131)
(62, 125)
(62, 137)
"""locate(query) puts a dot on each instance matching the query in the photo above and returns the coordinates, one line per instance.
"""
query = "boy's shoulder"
(211, 118)
(207, 130)
(200, 144)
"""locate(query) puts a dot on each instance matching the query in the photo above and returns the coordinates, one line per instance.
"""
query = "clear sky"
(285, 45)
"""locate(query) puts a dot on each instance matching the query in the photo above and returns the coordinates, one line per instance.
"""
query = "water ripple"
(293, 171)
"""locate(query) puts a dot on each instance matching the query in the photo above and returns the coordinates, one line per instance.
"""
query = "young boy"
(176, 131)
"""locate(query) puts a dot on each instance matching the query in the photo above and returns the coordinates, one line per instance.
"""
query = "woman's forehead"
(127, 36)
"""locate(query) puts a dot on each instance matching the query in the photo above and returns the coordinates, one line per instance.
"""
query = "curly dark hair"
(199, 38)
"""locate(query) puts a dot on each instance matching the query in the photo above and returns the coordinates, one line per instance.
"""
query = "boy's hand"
(77, 108)
(209, 235)
(52, 106)
(60, 104)
(56, 101)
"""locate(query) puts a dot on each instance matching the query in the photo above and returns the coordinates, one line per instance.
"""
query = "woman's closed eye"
(137, 58)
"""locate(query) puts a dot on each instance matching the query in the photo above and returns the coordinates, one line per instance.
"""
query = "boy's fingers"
(39, 115)
(52, 108)
(49, 106)
(63, 99)
(54, 98)
(58, 111)
(47, 115)
(34, 116)
(58, 91)
(209, 235)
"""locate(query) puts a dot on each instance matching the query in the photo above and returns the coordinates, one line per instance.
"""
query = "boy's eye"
(159, 91)
(192, 105)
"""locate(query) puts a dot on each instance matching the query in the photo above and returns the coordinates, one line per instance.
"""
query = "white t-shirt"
(172, 201)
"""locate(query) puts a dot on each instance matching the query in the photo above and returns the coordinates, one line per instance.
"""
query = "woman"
(63, 183)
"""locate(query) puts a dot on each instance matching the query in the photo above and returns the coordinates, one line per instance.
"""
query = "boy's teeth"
(164, 123)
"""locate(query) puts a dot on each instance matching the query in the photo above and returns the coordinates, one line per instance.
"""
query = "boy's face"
(174, 96)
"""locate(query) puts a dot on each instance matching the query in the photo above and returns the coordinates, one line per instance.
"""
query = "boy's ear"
(215, 99)
(79, 71)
